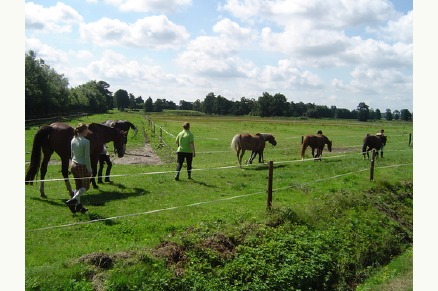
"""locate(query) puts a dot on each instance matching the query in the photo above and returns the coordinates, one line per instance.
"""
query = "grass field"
(145, 207)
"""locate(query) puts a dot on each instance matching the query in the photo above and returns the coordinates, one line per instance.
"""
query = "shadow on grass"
(97, 199)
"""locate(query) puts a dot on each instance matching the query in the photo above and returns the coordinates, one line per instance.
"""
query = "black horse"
(122, 125)
(376, 142)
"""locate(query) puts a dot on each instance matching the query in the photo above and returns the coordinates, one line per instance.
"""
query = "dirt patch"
(144, 155)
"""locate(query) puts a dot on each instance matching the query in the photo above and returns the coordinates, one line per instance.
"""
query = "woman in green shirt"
(186, 150)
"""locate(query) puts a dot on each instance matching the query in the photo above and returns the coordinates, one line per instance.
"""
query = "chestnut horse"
(57, 137)
(315, 142)
(376, 142)
(255, 143)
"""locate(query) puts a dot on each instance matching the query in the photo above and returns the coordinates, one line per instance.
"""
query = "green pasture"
(144, 206)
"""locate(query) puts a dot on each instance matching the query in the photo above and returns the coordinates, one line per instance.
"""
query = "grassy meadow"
(329, 227)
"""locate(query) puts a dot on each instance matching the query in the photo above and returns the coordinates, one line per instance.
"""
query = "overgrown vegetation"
(217, 234)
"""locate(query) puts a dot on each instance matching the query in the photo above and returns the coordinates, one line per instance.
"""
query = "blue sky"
(334, 53)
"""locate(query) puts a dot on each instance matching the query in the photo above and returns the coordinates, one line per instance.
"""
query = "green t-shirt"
(183, 141)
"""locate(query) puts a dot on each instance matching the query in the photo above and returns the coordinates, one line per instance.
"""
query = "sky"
(334, 53)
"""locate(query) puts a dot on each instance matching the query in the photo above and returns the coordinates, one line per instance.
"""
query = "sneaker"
(72, 202)
(80, 208)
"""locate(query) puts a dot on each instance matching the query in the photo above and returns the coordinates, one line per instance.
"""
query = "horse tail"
(35, 156)
(235, 143)
(304, 146)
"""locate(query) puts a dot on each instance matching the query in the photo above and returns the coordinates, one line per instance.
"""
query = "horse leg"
(43, 171)
(252, 157)
(241, 156)
(238, 157)
(65, 164)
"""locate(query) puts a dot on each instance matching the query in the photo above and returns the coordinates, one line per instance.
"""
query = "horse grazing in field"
(123, 125)
(256, 143)
(57, 137)
(315, 142)
(376, 142)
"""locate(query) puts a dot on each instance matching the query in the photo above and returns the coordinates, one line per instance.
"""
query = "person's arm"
(192, 146)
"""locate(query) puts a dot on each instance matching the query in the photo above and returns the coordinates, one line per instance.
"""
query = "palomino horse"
(255, 143)
(57, 137)
(315, 142)
(123, 125)
(376, 142)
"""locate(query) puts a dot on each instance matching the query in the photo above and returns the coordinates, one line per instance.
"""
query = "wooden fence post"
(410, 139)
(269, 191)
(372, 165)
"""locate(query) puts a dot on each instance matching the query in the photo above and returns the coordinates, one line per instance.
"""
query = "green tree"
(363, 111)
(103, 87)
(88, 97)
(388, 114)
(46, 91)
(185, 105)
(122, 99)
(405, 115)
(208, 104)
(378, 114)
(149, 105)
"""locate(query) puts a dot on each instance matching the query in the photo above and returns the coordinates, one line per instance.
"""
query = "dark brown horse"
(123, 125)
(57, 137)
(255, 143)
(376, 142)
(315, 142)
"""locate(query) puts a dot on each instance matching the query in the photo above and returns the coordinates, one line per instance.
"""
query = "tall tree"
(46, 91)
(122, 99)
(149, 105)
(405, 115)
(388, 114)
(108, 94)
(363, 111)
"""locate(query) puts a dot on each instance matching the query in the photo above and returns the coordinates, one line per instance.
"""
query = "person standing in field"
(80, 167)
(104, 158)
(381, 133)
(185, 142)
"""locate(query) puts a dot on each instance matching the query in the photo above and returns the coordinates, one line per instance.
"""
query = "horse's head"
(120, 142)
(271, 140)
(329, 145)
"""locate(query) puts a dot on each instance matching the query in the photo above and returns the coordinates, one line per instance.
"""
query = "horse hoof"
(43, 195)
(95, 187)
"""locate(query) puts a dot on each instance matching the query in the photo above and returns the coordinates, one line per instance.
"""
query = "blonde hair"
(80, 128)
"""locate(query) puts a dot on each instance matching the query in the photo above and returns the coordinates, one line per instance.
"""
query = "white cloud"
(150, 5)
(155, 32)
(58, 18)
(43, 51)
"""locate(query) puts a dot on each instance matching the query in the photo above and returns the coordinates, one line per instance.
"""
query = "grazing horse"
(315, 142)
(57, 137)
(123, 125)
(255, 143)
(376, 142)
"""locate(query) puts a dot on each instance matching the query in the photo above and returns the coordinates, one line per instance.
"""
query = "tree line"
(47, 93)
